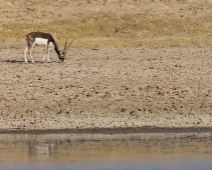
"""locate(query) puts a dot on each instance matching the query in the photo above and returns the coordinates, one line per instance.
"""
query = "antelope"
(41, 38)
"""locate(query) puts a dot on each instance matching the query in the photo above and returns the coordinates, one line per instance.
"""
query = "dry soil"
(107, 81)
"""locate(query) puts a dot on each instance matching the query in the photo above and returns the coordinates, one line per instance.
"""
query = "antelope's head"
(64, 51)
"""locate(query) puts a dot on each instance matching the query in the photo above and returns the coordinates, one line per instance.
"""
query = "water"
(105, 152)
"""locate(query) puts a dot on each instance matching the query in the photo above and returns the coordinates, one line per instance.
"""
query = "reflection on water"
(104, 151)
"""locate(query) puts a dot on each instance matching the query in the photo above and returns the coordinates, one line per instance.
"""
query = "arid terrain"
(133, 64)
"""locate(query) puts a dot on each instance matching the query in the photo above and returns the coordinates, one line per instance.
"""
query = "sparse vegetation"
(107, 28)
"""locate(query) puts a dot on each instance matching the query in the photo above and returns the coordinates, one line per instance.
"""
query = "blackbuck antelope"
(41, 38)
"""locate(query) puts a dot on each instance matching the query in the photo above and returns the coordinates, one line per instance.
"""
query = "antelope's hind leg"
(30, 51)
(25, 54)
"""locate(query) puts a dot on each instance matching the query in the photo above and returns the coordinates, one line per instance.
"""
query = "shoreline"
(125, 130)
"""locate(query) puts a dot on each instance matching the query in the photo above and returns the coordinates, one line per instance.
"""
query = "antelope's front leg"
(44, 58)
(48, 56)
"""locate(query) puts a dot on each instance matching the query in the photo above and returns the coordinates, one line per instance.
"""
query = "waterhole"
(105, 151)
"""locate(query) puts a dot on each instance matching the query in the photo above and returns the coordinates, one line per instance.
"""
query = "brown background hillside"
(109, 23)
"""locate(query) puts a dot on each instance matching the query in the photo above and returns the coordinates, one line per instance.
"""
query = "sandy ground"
(143, 64)
(106, 88)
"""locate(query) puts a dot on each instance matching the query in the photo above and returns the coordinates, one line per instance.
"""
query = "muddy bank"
(106, 89)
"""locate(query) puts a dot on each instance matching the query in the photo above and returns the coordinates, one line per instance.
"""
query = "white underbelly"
(42, 41)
